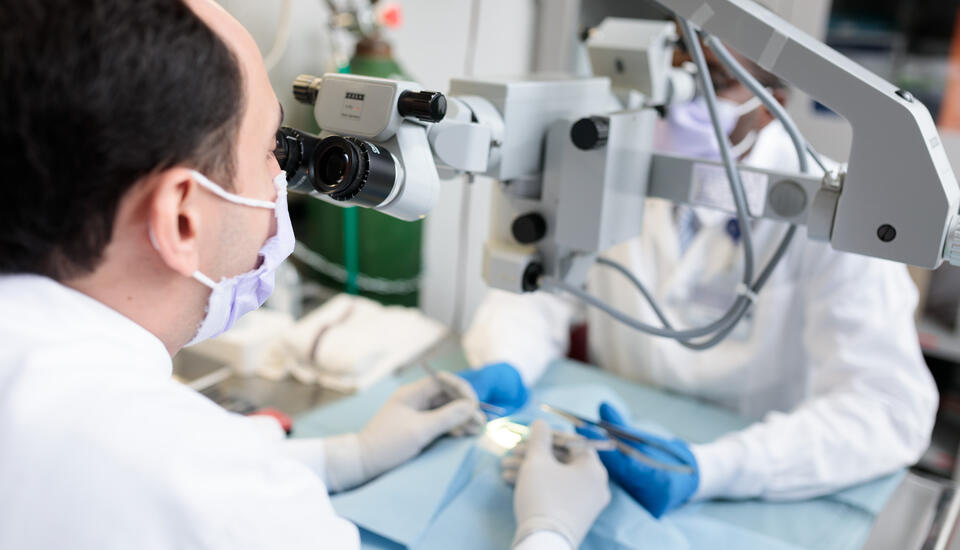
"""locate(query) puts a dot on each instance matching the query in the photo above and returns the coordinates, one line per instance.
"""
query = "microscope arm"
(898, 174)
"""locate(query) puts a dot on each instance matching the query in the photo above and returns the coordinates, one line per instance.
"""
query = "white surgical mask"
(232, 298)
(689, 131)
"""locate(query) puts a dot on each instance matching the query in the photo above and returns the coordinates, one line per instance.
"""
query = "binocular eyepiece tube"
(345, 169)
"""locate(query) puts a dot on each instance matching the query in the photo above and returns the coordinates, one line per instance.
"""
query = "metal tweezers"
(622, 438)
(452, 395)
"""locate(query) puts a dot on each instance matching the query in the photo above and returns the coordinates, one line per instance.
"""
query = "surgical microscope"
(574, 157)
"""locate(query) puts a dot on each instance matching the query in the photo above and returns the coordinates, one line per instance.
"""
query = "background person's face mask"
(688, 130)
(233, 298)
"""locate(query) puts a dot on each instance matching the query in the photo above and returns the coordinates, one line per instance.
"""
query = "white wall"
(432, 45)
(307, 48)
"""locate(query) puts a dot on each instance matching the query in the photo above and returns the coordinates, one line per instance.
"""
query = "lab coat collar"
(61, 314)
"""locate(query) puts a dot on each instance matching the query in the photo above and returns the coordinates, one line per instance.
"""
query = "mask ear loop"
(750, 106)
(225, 195)
(745, 145)
(236, 199)
(200, 277)
(204, 280)
(205, 182)
(742, 110)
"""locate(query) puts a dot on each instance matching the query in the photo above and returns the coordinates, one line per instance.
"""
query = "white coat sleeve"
(332, 459)
(528, 331)
(312, 453)
(194, 476)
(543, 540)
(263, 500)
(873, 400)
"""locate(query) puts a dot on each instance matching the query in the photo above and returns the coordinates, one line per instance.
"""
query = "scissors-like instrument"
(623, 438)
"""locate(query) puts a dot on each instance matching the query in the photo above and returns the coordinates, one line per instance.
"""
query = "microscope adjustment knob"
(531, 277)
(529, 228)
(590, 133)
(425, 106)
(306, 88)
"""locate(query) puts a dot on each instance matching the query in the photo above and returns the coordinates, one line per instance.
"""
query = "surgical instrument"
(623, 439)
(452, 395)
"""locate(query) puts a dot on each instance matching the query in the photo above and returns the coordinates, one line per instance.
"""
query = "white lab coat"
(100, 449)
(829, 358)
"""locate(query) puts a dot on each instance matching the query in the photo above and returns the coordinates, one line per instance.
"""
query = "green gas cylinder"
(381, 254)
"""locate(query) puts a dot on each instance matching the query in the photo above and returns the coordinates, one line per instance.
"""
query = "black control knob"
(426, 106)
(531, 277)
(529, 228)
(590, 133)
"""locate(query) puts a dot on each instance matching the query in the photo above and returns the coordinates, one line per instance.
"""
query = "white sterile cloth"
(350, 343)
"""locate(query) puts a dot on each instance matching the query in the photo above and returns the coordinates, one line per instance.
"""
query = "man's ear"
(174, 219)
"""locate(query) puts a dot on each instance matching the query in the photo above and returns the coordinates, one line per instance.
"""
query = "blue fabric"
(821, 524)
(656, 489)
(499, 384)
(872, 495)
(481, 518)
(416, 491)
(700, 531)
(471, 508)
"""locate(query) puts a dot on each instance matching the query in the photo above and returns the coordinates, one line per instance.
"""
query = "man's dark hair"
(95, 95)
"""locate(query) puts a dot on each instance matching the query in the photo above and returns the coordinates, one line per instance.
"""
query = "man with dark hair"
(143, 209)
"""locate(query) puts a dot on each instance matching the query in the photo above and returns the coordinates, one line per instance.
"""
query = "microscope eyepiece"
(350, 169)
(289, 150)
(343, 168)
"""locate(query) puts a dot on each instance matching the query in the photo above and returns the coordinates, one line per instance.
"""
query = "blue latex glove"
(657, 490)
(499, 384)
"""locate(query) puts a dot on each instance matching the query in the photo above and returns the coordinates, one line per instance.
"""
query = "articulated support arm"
(898, 174)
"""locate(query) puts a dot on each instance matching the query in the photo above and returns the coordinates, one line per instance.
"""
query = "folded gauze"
(351, 342)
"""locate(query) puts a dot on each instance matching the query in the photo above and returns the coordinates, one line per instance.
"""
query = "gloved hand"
(657, 490)
(413, 417)
(499, 384)
(563, 497)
